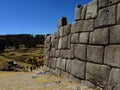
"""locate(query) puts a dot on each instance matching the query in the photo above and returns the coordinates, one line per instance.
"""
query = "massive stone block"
(71, 51)
(114, 80)
(103, 3)
(76, 26)
(61, 63)
(106, 16)
(62, 22)
(112, 55)
(83, 38)
(99, 36)
(57, 54)
(95, 54)
(83, 11)
(67, 30)
(78, 69)
(65, 42)
(75, 38)
(87, 25)
(115, 34)
(78, 12)
(98, 74)
(118, 13)
(92, 10)
(68, 65)
(80, 51)
(53, 62)
(61, 31)
(113, 1)
(60, 43)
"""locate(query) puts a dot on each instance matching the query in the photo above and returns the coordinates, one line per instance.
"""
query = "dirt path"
(37, 81)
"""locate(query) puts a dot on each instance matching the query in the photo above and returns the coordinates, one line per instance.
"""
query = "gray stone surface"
(75, 38)
(61, 31)
(67, 30)
(113, 1)
(53, 62)
(78, 69)
(80, 51)
(87, 25)
(95, 53)
(71, 51)
(62, 22)
(68, 65)
(103, 3)
(118, 13)
(115, 34)
(83, 38)
(98, 74)
(114, 80)
(99, 36)
(92, 9)
(65, 75)
(56, 34)
(78, 12)
(60, 43)
(61, 63)
(65, 42)
(112, 55)
(76, 26)
(83, 11)
(57, 54)
(106, 16)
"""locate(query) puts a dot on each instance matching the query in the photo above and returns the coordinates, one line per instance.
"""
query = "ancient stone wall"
(89, 48)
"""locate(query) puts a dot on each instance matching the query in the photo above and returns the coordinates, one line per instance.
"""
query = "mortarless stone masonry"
(89, 48)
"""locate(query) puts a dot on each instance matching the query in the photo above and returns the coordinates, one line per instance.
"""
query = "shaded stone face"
(80, 51)
(103, 3)
(95, 54)
(76, 26)
(78, 69)
(118, 13)
(97, 74)
(78, 12)
(68, 66)
(114, 81)
(113, 1)
(106, 16)
(99, 36)
(61, 63)
(112, 55)
(115, 34)
(62, 22)
(92, 9)
(75, 38)
(83, 38)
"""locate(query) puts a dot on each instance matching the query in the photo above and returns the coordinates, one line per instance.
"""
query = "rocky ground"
(38, 80)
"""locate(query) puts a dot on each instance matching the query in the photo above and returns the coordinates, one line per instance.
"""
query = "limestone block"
(78, 12)
(71, 52)
(113, 1)
(118, 13)
(99, 36)
(66, 30)
(83, 11)
(65, 42)
(112, 55)
(92, 10)
(55, 43)
(61, 63)
(60, 43)
(103, 3)
(115, 34)
(56, 34)
(62, 22)
(48, 38)
(114, 80)
(87, 25)
(97, 74)
(68, 65)
(78, 69)
(53, 62)
(106, 16)
(61, 30)
(76, 26)
(57, 54)
(95, 53)
(75, 38)
(52, 52)
(83, 38)
(49, 46)
(69, 41)
(64, 54)
(80, 51)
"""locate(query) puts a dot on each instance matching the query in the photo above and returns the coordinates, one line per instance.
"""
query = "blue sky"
(35, 16)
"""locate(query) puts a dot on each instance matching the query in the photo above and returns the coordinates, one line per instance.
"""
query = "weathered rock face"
(89, 48)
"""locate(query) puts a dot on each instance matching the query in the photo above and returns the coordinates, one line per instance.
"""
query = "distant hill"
(15, 40)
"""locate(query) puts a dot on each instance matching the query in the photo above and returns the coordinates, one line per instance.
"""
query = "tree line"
(21, 39)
